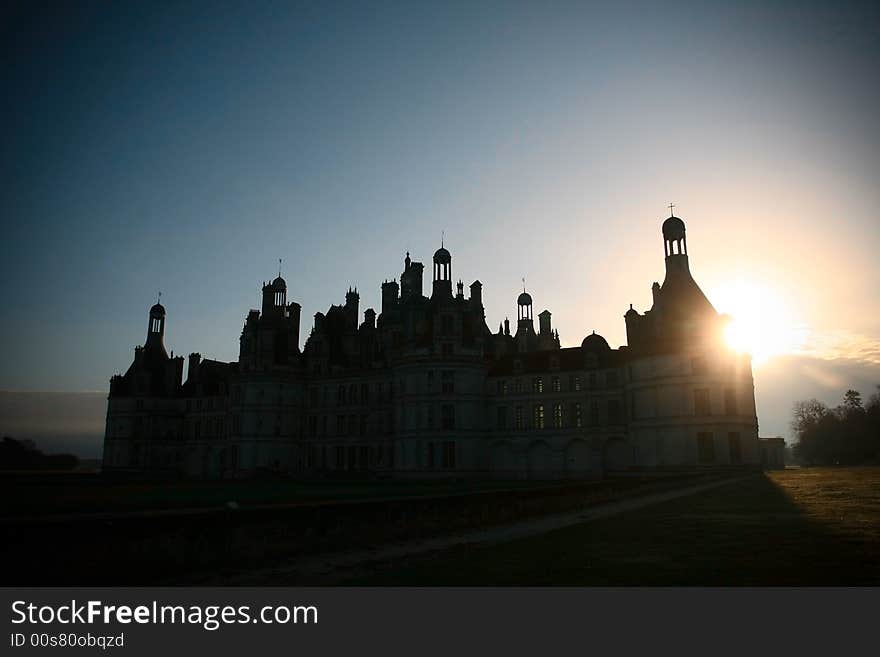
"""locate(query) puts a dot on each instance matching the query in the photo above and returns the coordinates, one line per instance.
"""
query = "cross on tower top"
(671, 205)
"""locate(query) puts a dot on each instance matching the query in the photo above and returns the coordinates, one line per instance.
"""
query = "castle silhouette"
(425, 389)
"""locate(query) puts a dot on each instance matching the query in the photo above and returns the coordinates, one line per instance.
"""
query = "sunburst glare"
(762, 323)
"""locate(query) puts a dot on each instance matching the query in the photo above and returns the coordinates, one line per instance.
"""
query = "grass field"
(48, 493)
(792, 527)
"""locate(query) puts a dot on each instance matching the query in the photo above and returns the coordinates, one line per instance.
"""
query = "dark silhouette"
(24, 455)
(423, 388)
(848, 434)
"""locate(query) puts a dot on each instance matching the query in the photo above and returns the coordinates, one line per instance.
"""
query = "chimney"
(544, 322)
(192, 372)
(477, 293)
(370, 318)
(293, 311)
(389, 295)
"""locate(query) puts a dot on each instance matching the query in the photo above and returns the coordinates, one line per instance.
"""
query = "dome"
(595, 342)
(524, 299)
(279, 284)
(673, 228)
(442, 256)
(158, 309)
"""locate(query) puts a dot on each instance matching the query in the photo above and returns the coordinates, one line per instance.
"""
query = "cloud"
(842, 344)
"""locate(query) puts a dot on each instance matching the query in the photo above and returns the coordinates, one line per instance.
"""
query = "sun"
(761, 323)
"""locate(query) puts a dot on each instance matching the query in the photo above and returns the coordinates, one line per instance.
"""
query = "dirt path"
(332, 567)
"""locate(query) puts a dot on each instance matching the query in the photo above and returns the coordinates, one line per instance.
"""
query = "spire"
(279, 267)
(671, 206)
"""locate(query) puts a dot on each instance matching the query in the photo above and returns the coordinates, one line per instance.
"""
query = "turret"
(156, 330)
(675, 243)
(442, 273)
(274, 297)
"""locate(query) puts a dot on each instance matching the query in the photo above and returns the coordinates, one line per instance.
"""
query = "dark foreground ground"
(792, 527)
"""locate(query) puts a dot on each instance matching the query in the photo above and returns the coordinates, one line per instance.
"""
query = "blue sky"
(185, 148)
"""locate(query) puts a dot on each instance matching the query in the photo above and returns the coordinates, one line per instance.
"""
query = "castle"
(425, 389)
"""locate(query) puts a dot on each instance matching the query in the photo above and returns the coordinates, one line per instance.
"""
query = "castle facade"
(424, 389)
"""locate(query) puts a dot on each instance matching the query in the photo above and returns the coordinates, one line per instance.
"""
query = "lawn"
(792, 527)
(49, 493)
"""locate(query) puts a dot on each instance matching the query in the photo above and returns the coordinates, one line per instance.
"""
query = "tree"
(848, 434)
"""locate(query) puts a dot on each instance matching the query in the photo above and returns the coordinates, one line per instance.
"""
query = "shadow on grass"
(747, 533)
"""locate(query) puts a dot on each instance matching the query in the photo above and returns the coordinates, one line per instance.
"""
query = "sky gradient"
(187, 148)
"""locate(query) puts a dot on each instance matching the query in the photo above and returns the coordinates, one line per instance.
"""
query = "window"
(447, 382)
(734, 447)
(352, 425)
(539, 416)
(340, 425)
(574, 383)
(352, 394)
(339, 456)
(518, 417)
(324, 425)
(504, 387)
(447, 350)
(557, 416)
(518, 386)
(592, 379)
(448, 416)
(365, 393)
(578, 416)
(730, 405)
(557, 386)
(340, 395)
(705, 448)
(594, 413)
(430, 380)
(538, 384)
(430, 416)
(698, 365)
(614, 411)
(611, 378)
(702, 405)
(363, 428)
(502, 417)
(431, 455)
(449, 454)
(313, 426)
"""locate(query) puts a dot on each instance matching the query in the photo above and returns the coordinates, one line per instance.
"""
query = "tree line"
(848, 434)
(24, 455)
